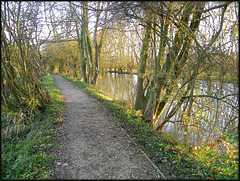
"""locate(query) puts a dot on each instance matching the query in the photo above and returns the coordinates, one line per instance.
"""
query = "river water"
(119, 86)
(123, 86)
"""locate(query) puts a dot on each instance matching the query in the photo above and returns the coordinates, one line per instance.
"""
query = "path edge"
(161, 175)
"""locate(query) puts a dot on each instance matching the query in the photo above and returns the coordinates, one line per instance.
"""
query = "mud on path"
(92, 145)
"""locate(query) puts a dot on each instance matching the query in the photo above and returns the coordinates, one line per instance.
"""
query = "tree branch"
(211, 96)
(220, 28)
(215, 7)
(217, 98)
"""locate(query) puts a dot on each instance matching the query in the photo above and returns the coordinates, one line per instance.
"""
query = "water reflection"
(207, 115)
(119, 86)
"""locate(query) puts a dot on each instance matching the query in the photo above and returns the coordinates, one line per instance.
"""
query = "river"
(119, 86)
(123, 86)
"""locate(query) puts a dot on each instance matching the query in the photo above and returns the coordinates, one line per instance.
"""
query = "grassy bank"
(172, 157)
(164, 150)
(27, 140)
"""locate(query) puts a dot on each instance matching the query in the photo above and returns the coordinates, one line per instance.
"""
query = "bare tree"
(21, 58)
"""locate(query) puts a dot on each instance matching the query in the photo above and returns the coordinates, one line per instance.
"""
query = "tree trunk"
(86, 43)
(177, 56)
(97, 64)
(140, 99)
(180, 60)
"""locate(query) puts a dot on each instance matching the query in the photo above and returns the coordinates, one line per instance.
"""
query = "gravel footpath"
(92, 145)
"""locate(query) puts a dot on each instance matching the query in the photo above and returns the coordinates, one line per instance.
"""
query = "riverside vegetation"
(27, 141)
(174, 158)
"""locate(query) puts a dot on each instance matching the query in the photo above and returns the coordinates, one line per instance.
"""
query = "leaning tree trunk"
(156, 84)
(140, 99)
(180, 56)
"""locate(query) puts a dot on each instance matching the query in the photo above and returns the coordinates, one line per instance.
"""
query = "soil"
(91, 144)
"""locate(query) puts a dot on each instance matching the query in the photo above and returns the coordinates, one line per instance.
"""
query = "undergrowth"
(27, 140)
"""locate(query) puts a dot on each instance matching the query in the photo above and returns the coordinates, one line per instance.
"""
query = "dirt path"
(92, 146)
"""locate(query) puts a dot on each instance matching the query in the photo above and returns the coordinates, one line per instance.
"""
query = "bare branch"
(215, 7)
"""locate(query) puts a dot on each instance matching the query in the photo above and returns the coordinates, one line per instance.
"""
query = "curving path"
(92, 145)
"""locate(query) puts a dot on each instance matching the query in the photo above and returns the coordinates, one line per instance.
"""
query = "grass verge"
(27, 142)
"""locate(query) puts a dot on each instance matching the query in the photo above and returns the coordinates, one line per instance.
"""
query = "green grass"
(27, 142)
